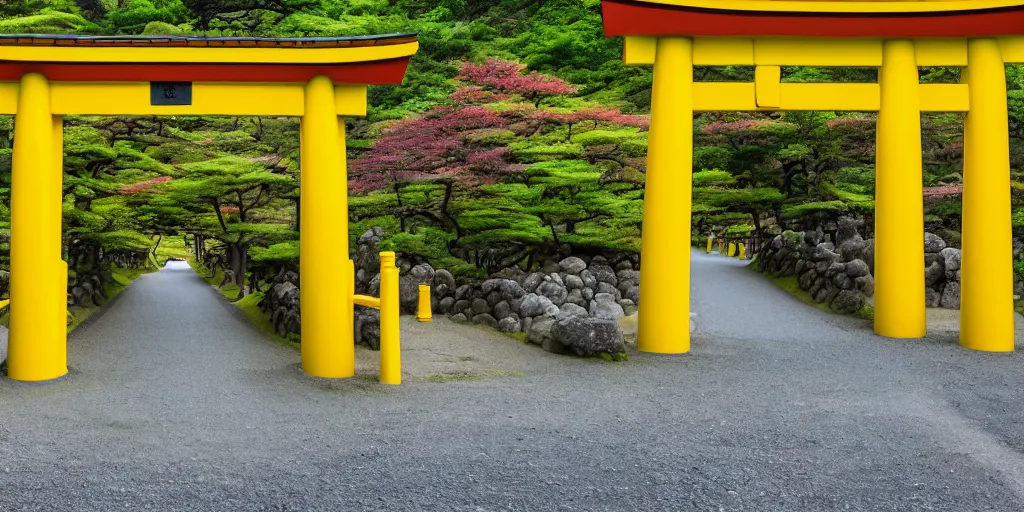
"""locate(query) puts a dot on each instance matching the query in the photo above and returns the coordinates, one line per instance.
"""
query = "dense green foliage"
(517, 135)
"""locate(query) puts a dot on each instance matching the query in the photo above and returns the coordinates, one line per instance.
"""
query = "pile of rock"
(281, 302)
(87, 291)
(572, 305)
(840, 274)
(941, 273)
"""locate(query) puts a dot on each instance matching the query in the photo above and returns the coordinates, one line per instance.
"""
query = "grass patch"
(520, 336)
(463, 376)
(250, 307)
(791, 285)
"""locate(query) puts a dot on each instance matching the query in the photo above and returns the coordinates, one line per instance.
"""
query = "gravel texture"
(175, 403)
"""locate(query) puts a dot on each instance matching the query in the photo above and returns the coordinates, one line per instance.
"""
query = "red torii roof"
(955, 18)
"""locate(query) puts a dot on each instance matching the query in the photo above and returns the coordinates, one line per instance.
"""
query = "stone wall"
(840, 273)
(569, 306)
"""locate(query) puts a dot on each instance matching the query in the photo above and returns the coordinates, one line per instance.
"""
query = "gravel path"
(175, 403)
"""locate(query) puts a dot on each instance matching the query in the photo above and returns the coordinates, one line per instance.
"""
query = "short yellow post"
(390, 342)
(423, 314)
(665, 242)
(327, 348)
(986, 274)
(38, 328)
(732, 249)
(709, 245)
(743, 252)
(899, 203)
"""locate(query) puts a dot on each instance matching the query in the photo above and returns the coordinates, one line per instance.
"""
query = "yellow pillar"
(326, 348)
(665, 242)
(743, 252)
(390, 343)
(38, 275)
(423, 313)
(986, 274)
(899, 208)
(349, 289)
(732, 249)
(709, 246)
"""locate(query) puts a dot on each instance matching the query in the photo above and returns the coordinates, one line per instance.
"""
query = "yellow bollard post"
(732, 249)
(324, 290)
(709, 245)
(424, 314)
(743, 252)
(668, 193)
(986, 274)
(390, 342)
(899, 204)
(38, 330)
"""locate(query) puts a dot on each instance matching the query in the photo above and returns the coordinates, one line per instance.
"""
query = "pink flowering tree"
(447, 146)
(507, 77)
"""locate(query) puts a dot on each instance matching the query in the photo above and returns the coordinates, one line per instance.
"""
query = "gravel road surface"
(175, 403)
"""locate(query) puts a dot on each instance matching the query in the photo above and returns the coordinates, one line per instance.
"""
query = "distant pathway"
(176, 403)
(735, 301)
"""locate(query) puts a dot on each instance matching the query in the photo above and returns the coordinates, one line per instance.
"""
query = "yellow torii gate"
(44, 77)
(895, 36)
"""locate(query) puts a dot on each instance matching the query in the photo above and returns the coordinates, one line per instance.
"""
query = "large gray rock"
(628, 278)
(572, 265)
(445, 305)
(589, 280)
(852, 249)
(366, 324)
(603, 273)
(570, 309)
(932, 243)
(532, 281)
(539, 330)
(866, 285)
(633, 294)
(950, 261)
(409, 287)
(605, 307)
(573, 282)
(932, 297)
(589, 336)
(603, 287)
(934, 274)
(951, 296)
(485, 319)
(444, 282)
(576, 297)
(628, 306)
(502, 310)
(480, 306)
(509, 324)
(536, 305)
(553, 290)
(848, 301)
(464, 292)
(856, 268)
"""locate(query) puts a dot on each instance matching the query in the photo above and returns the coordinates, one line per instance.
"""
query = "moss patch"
(462, 376)
(250, 307)
(792, 286)
(520, 336)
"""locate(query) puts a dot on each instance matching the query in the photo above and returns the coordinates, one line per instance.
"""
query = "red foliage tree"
(507, 77)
